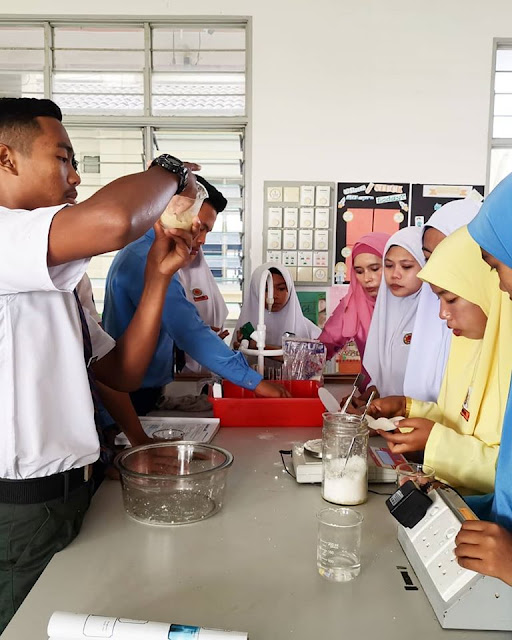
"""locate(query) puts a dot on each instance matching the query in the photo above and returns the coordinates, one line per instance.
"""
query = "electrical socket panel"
(274, 256)
(433, 539)
(290, 258)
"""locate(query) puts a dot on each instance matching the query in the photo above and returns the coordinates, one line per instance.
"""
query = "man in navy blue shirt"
(181, 323)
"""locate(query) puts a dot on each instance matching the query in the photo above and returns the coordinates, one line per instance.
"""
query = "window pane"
(120, 152)
(115, 37)
(220, 154)
(503, 82)
(21, 85)
(502, 127)
(22, 37)
(91, 60)
(198, 39)
(199, 61)
(503, 105)
(501, 165)
(504, 60)
(99, 93)
(198, 94)
(21, 59)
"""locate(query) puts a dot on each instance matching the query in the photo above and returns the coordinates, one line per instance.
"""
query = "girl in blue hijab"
(485, 545)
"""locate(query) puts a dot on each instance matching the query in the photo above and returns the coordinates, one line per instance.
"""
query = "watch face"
(170, 161)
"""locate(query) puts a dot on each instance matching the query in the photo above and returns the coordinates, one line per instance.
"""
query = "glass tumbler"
(344, 459)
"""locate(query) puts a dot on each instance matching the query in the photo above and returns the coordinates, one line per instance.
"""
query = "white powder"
(345, 485)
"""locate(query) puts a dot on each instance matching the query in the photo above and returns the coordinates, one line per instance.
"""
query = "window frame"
(495, 143)
(147, 121)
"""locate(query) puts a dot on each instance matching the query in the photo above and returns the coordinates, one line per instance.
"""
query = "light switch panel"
(289, 239)
(307, 195)
(273, 239)
(321, 240)
(322, 219)
(275, 217)
(291, 217)
(307, 218)
(305, 239)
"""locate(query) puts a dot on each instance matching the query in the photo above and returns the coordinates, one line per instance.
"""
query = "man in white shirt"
(46, 409)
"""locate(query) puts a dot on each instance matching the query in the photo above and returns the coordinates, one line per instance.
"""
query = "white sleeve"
(24, 251)
(101, 342)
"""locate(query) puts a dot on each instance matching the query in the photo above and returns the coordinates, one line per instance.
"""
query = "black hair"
(276, 272)
(215, 197)
(18, 124)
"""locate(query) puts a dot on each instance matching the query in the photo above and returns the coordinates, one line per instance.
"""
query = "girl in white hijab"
(431, 338)
(202, 290)
(389, 338)
(286, 314)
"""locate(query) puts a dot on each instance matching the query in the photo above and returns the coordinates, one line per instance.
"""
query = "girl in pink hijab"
(352, 317)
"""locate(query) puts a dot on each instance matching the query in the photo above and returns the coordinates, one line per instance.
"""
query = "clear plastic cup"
(421, 474)
(338, 551)
(168, 435)
(181, 210)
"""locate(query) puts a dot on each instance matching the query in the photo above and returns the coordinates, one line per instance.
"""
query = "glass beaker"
(344, 459)
(338, 549)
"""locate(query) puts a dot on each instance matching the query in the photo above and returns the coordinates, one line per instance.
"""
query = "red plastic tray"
(241, 408)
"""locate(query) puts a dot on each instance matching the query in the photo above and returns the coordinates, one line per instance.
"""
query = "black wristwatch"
(172, 164)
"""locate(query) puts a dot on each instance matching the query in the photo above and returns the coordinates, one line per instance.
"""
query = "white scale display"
(298, 229)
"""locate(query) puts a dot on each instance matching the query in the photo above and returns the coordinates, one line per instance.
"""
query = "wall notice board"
(364, 207)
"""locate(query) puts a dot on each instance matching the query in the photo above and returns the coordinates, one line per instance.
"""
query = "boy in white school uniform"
(46, 410)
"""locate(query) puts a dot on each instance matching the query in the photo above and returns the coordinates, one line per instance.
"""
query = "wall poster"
(364, 207)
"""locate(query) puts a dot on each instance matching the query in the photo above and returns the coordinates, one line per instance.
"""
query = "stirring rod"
(372, 396)
(354, 388)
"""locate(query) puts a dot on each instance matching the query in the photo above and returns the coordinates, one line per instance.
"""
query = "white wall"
(388, 90)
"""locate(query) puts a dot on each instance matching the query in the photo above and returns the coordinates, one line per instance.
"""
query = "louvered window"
(500, 164)
(132, 89)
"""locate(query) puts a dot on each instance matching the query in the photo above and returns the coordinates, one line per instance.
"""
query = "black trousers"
(30, 535)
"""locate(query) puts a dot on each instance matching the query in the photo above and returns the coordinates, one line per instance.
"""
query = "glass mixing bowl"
(171, 483)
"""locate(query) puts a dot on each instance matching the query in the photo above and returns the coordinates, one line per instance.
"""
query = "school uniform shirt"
(46, 411)
(202, 291)
(389, 338)
(84, 291)
(464, 443)
(431, 338)
(289, 318)
(180, 322)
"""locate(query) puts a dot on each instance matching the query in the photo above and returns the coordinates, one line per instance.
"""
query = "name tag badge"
(464, 412)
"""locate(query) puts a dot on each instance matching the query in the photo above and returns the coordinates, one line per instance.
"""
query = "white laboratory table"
(251, 567)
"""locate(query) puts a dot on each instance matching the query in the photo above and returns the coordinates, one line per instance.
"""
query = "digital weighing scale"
(461, 599)
(381, 463)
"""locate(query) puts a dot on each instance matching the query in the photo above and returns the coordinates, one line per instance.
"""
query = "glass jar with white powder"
(344, 459)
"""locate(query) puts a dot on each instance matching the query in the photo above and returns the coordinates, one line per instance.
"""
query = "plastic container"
(181, 210)
(172, 483)
(241, 408)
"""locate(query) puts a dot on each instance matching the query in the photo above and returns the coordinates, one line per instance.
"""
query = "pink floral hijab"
(352, 317)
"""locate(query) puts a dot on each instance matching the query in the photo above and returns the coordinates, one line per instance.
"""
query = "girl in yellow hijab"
(461, 432)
